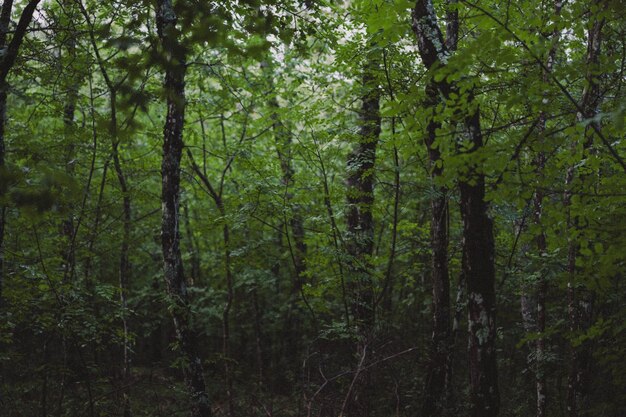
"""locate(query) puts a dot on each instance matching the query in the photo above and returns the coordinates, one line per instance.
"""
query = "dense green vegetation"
(297, 208)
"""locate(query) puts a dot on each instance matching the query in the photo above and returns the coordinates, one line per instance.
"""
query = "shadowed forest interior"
(356, 208)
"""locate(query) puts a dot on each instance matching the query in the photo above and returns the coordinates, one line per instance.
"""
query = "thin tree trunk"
(67, 225)
(360, 200)
(175, 69)
(5, 19)
(360, 167)
(284, 151)
(478, 266)
(124, 264)
(219, 203)
(542, 287)
(580, 301)
(386, 295)
(68, 44)
(192, 247)
(293, 218)
(226, 314)
(336, 236)
(124, 270)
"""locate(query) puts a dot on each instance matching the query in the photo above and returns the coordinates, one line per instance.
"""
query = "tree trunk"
(192, 247)
(580, 300)
(542, 287)
(360, 169)
(437, 394)
(479, 272)
(294, 230)
(124, 270)
(437, 386)
(219, 203)
(360, 200)
(284, 151)
(124, 264)
(6, 64)
(478, 267)
(170, 234)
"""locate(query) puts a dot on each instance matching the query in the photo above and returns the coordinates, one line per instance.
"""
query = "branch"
(10, 54)
(553, 78)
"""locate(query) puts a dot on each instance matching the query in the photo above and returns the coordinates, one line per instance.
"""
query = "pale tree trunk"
(478, 266)
(580, 300)
(170, 234)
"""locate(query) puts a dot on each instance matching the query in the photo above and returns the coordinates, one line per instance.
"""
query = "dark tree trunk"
(175, 69)
(437, 386)
(479, 272)
(437, 394)
(478, 267)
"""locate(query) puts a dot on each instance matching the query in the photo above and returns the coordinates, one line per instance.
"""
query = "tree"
(7, 61)
(174, 86)
(478, 242)
(314, 156)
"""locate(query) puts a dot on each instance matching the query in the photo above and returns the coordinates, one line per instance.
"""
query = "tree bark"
(479, 271)
(175, 69)
(437, 385)
(437, 394)
(478, 267)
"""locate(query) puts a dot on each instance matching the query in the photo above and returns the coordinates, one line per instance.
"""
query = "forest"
(298, 208)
